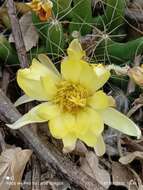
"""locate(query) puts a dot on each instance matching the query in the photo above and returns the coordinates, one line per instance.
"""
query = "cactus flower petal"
(119, 121)
(22, 100)
(102, 74)
(100, 146)
(89, 138)
(75, 51)
(60, 126)
(30, 80)
(83, 73)
(49, 86)
(69, 143)
(89, 120)
(99, 100)
(74, 108)
(41, 113)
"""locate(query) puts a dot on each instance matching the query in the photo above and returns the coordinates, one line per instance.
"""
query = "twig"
(134, 109)
(18, 39)
(132, 144)
(47, 154)
(17, 35)
(134, 15)
(5, 80)
(2, 142)
(36, 174)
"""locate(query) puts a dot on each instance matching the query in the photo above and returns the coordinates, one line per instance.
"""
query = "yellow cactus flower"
(43, 8)
(136, 73)
(73, 103)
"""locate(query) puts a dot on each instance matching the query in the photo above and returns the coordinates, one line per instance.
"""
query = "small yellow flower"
(72, 101)
(43, 8)
(136, 73)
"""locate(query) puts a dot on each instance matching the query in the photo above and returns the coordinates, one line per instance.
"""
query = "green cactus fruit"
(7, 52)
(119, 52)
(113, 17)
(81, 17)
(55, 38)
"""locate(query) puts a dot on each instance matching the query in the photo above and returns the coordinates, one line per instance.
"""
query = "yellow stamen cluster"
(71, 97)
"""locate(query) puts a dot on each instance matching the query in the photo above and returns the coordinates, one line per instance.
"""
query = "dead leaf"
(90, 165)
(136, 74)
(130, 157)
(136, 5)
(80, 148)
(122, 176)
(29, 33)
(12, 165)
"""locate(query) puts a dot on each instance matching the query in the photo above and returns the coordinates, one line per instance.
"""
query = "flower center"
(71, 97)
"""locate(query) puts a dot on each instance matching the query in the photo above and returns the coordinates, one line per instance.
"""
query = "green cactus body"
(115, 12)
(81, 17)
(40, 26)
(62, 9)
(35, 51)
(55, 38)
(113, 17)
(119, 52)
(7, 52)
(51, 34)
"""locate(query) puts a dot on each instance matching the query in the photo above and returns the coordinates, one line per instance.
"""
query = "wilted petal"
(34, 5)
(136, 73)
(47, 5)
(42, 8)
(119, 121)
(100, 146)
